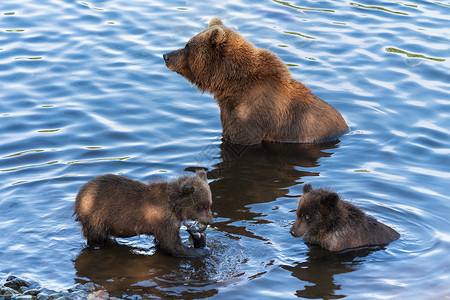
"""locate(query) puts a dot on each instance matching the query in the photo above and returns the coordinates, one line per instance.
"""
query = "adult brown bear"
(258, 98)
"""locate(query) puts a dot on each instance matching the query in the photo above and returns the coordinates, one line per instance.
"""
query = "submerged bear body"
(116, 206)
(258, 99)
(324, 219)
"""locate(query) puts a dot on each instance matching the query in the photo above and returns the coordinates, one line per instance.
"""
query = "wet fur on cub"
(116, 206)
(324, 219)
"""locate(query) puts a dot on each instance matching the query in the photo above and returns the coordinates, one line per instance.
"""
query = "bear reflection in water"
(321, 267)
(262, 173)
(124, 270)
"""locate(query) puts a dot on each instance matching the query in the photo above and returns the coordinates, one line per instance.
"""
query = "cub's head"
(214, 58)
(317, 213)
(193, 199)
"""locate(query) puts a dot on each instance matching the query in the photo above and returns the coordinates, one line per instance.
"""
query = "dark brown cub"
(324, 219)
(115, 206)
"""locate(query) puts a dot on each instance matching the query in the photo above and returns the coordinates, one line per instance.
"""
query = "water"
(84, 92)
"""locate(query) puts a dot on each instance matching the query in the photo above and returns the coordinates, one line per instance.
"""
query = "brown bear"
(258, 98)
(115, 206)
(324, 219)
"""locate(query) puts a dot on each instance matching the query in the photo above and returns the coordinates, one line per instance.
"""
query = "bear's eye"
(307, 217)
(202, 207)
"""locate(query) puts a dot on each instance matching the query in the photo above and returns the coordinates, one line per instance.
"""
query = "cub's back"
(109, 193)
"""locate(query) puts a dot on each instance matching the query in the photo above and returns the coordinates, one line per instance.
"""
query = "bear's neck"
(265, 76)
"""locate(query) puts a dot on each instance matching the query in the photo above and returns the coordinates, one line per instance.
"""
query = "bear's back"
(356, 229)
(112, 195)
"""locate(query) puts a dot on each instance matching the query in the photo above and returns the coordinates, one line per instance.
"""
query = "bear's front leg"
(180, 250)
(170, 242)
(187, 252)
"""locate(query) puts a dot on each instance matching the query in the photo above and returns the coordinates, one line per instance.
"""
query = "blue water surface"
(84, 91)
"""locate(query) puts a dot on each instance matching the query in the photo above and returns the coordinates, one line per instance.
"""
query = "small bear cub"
(115, 206)
(324, 219)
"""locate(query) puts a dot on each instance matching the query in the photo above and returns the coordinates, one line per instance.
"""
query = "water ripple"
(84, 92)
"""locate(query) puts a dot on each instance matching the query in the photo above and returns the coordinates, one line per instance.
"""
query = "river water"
(84, 91)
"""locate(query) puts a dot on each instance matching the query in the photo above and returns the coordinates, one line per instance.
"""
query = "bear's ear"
(201, 174)
(215, 21)
(187, 188)
(217, 36)
(307, 188)
(331, 199)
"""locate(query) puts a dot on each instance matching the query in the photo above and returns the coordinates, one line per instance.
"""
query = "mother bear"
(258, 98)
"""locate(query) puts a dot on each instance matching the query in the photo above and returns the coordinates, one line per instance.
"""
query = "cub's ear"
(187, 188)
(307, 188)
(201, 174)
(217, 36)
(215, 21)
(330, 200)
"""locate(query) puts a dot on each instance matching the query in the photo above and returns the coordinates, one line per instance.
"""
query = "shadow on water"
(124, 270)
(259, 174)
(320, 269)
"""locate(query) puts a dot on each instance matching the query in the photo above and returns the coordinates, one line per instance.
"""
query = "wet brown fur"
(324, 219)
(258, 98)
(115, 206)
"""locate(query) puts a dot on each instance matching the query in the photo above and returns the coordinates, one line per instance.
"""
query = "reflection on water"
(259, 174)
(141, 269)
(122, 269)
(319, 271)
(415, 55)
(380, 8)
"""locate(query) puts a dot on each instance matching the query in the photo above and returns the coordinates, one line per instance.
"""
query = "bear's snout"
(167, 56)
(170, 55)
(210, 221)
(206, 220)
(292, 231)
(175, 60)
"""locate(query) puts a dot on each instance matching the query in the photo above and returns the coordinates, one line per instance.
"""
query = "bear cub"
(324, 219)
(115, 206)
(257, 96)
